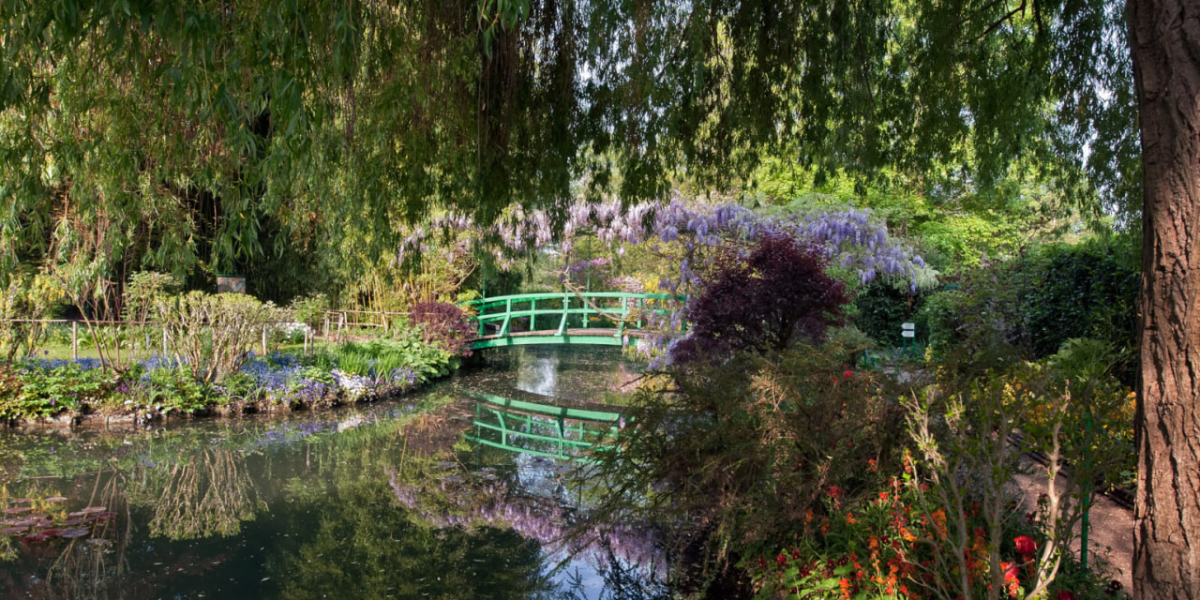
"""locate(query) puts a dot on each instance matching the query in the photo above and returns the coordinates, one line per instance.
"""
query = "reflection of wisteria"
(487, 501)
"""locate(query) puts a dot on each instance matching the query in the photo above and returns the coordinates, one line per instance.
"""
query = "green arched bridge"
(565, 318)
(558, 432)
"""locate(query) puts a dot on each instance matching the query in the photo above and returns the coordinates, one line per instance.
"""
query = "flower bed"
(63, 391)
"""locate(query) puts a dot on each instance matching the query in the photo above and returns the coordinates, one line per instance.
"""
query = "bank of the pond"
(376, 500)
(83, 393)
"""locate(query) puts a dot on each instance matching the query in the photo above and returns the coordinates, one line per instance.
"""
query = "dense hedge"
(1028, 306)
(882, 307)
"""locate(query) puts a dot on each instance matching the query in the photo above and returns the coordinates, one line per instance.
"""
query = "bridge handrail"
(575, 414)
(485, 302)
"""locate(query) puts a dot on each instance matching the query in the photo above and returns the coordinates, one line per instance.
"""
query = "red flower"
(781, 561)
(848, 373)
(1066, 595)
(1010, 578)
(1025, 546)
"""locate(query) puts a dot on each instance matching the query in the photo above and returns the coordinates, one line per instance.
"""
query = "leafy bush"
(25, 299)
(176, 389)
(444, 325)
(380, 359)
(753, 444)
(1028, 307)
(775, 296)
(210, 334)
(44, 392)
(310, 310)
(883, 306)
(1085, 291)
(883, 548)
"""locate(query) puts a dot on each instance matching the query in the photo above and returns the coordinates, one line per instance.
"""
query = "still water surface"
(377, 501)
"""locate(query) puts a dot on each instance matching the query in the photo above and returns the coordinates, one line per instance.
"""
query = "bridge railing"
(556, 309)
(540, 429)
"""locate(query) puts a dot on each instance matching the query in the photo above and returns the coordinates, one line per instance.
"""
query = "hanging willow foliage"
(201, 133)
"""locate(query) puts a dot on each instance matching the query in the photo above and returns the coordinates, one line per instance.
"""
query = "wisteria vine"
(850, 238)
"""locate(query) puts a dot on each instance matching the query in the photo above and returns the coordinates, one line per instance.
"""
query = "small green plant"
(310, 310)
(39, 392)
(173, 389)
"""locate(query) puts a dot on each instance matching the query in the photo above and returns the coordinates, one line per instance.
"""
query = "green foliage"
(1087, 290)
(39, 392)
(379, 358)
(275, 139)
(143, 290)
(310, 310)
(25, 299)
(961, 433)
(884, 306)
(752, 444)
(1028, 307)
(176, 389)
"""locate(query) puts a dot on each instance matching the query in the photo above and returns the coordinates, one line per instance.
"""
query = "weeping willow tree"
(207, 134)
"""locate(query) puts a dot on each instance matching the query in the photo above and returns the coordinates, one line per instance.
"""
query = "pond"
(378, 501)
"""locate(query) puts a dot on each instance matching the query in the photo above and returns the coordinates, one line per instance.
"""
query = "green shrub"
(310, 310)
(883, 306)
(174, 389)
(379, 358)
(1026, 308)
(37, 392)
(752, 444)
(210, 334)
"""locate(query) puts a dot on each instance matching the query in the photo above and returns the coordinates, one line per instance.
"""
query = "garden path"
(1111, 529)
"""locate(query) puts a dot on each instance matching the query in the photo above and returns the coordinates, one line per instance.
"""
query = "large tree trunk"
(1165, 39)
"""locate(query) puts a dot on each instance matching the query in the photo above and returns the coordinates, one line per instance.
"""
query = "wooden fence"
(334, 326)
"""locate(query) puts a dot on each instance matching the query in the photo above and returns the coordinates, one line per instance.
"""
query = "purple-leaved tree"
(766, 300)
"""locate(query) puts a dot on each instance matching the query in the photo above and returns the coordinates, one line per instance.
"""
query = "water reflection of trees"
(441, 496)
(207, 493)
(366, 548)
(79, 568)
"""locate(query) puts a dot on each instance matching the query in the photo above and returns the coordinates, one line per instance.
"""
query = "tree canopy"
(194, 134)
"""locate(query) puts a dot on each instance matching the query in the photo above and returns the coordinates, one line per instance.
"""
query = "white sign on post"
(908, 330)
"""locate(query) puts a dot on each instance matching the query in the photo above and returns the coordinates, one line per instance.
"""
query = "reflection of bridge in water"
(557, 432)
(513, 320)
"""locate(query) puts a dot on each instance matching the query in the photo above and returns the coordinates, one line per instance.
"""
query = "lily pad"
(13, 530)
(93, 509)
(74, 532)
(16, 510)
(34, 537)
(21, 500)
(57, 499)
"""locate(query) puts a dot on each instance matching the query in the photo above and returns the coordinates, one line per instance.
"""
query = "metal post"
(74, 340)
(533, 315)
(1087, 491)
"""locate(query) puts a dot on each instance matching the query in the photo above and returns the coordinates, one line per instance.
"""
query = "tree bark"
(1165, 42)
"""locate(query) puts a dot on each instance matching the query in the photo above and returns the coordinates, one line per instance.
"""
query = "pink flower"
(1066, 595)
